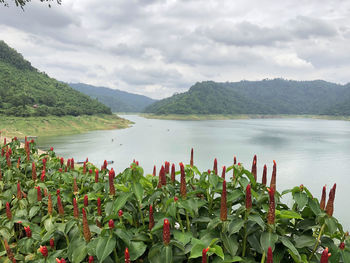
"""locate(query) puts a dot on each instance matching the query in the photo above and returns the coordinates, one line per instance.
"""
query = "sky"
(161, 47)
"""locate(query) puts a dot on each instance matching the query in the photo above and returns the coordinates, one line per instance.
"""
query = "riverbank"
(240, 117)
(52, 125)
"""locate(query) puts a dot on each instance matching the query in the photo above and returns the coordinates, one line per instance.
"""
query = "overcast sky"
(159, 47)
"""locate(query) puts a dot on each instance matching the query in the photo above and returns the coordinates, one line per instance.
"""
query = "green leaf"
(287, 243)
(79, 254)
(136, 249)
(304, 241)
(197, 250)
(230, 244)
(184, 238)
(217, 250)
(138, 190)
(268, 240)
(105, 247)
(331, 223)
(49, 224)
(257, 219)
(288, 214)
(168, 254)
(235, 226)
(301, 199)
(33, 211)
(121, 201)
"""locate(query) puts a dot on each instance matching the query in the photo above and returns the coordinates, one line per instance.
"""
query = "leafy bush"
(50, 209)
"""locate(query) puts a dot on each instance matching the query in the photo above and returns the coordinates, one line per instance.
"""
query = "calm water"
(307, 151)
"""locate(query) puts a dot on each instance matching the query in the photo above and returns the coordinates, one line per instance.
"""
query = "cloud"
(158, 47)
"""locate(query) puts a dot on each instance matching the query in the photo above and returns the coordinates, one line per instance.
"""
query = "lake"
(307, 151)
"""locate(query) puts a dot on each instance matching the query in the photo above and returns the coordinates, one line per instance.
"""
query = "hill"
(24, 91)
(277, 96)
(117, 100)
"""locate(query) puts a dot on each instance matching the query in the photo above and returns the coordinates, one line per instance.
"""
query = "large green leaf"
(287, 243)
(267, 240)
(105, 247)
(304, 241)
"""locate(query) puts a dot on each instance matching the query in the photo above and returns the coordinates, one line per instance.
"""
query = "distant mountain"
(24, 91)
(276, 96)
(117, 100)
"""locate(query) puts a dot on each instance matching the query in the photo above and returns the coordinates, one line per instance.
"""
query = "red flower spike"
(72, 164)
(342, 246)
(60, 206)
(330, 203)
(58, 191)
(96, 176)
(204, 255)
(62, 161)
(323, 198)
(43, 251)
(167, 167)
(60, 170)
(9, 252)
(269, 256)
(28, 231)
(223, 172)
(19, 192)
(166, 232)
(49, 204)
(75, 208)
(68, 163)
(151, 218)
(154, 171)
(8, 160)
(234, 160)
(248, 198)
(191, 162)
(162, 177)
(183, 190)
(111, 183)
(273, 177)
(51, 149)
(120, 213)
(254, 167)
(38, 193)
(84, 168)
(52, 243)
(209, 172)
(223, 208)
(176, 199)
(111, 224)
(86, 201)
(127, 255)
(42, 178)
(86, 229)
(271, 212)
(18, 162)
(99, 211)
(215, 167)
(90, 171)
(264, 176)
(91, 259)
(8, 211)
(173, 173)
(325, 256)
(75, 186)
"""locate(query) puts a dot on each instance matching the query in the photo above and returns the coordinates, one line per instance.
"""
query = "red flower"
(75, 186)
(162, 177)
(62, 260)
(342, 246)
(264, 176)
(269, 256)
(86, 229)
(111, 183)
(166, 232)
(167, 167)
(91, 259)
(19, 193)
(52, 243)
(8, 160)
(183, 190)
(86, 201)
(234, 160)
(223, 208)
(72, 163)
(43, 251)
(49, 205)
(248, 198)
(204, 255)
(9, 252)
(75, 208)
(39, 196)
(51, 149)
(42, 178)
(151, 218)
(271, 212)
(254, 167)
(84, 168)
(120, 213)
(58, 191)
(323, 198)
(62, 161)
(28, 231)
(60, 206)
(127, 255)
(111, 224)
(99, 211)
(173, 173)
(96, 176)
(209, 172)
(90, 171)
(325, 256)
(176, 199)
(215, 168)
(8, 211)
(191, 162)
(223, 172)
(60, 170)
(330, 203)
(273, 177)
(154, 171)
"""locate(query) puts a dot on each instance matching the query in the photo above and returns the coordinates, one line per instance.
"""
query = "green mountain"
(277, 96)
(24, 91)
(117, 100)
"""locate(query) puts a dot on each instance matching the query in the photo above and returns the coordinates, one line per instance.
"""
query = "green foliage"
(275, 96)
(26, 92)
(299, 233)
(117, 100)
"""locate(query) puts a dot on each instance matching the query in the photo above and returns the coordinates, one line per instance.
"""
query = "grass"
(52, 125)
(238, 116)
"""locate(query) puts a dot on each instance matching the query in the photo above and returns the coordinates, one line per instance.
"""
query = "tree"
(22, 3)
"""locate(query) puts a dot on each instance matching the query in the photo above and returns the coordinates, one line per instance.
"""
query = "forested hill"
(24, 91)
(276, 96)
(117, 100)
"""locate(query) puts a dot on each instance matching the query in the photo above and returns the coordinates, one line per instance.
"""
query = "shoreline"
(198, 117)
(20, 127)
